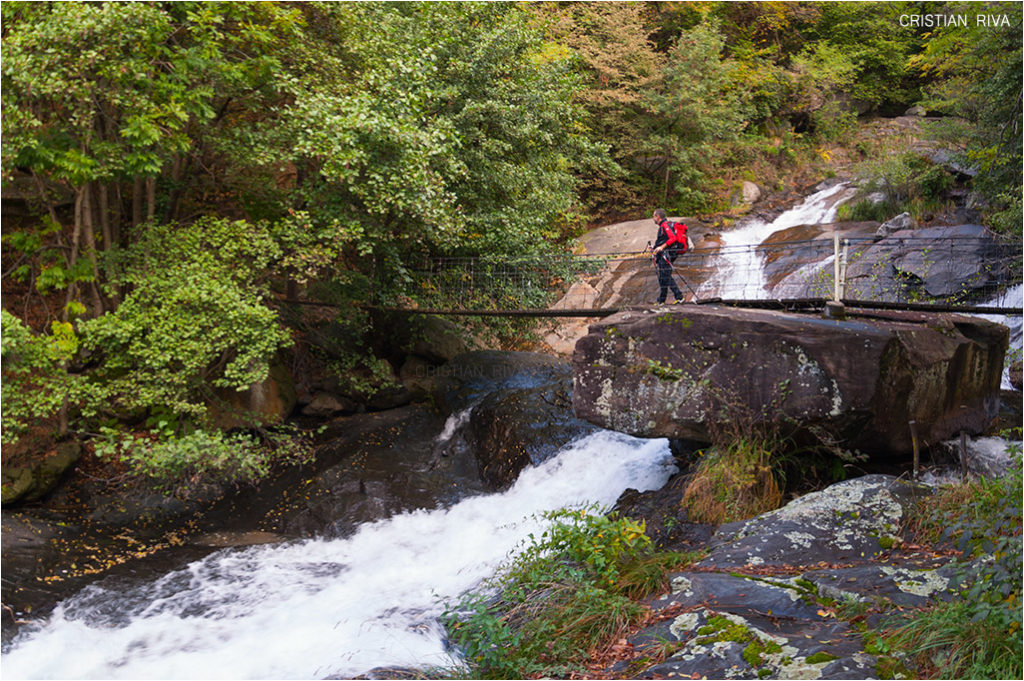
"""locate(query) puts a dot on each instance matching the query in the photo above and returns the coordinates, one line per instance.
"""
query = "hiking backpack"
(677, 229)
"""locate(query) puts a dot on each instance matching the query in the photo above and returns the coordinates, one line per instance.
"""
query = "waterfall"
(326, 608)
(739, 273)
(1012, 297)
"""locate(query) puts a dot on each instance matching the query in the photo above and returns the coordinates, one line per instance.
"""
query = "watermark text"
(947, 20)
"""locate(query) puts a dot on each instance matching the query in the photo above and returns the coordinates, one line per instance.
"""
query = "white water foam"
(453, 424)
(1012, 297)
(739, 272)
(322, 608)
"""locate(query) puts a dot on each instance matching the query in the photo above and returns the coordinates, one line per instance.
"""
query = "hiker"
(671, 241)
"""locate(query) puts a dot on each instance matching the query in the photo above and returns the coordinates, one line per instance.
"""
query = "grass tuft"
(734, 482)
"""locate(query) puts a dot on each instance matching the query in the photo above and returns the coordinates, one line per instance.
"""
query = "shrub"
(866, 210)
(907, 182)
(563, 595)
(35, 382)
(177, 463)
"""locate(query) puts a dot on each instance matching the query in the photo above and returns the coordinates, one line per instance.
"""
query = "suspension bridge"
(969, 275)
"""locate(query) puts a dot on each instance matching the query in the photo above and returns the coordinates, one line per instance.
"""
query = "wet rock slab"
(519, 409)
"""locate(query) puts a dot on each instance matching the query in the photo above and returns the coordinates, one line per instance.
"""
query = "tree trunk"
(108, 236)
(46, 199)
(76, 236)
(103, 210)
(150, 198)
(668, 166)
(137, 204)
(118, 221)
(62, 413)
(178, 168)
(89, 233)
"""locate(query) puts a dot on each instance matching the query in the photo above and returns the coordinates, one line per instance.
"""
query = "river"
(323, 608)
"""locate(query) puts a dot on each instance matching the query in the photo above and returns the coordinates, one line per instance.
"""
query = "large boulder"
(762, 603)
(511, 430)
(400, 334)
(696, 371)
(793, 258)
(40, 475)
(901, 222)
(848, 521)
(517, 406)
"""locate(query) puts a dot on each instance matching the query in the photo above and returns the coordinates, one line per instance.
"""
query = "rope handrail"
(957, 273)
(824, 242)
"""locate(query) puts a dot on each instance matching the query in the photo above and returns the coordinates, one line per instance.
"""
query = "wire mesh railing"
(956, 271)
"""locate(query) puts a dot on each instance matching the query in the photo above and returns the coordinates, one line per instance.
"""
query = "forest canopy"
(185, 164)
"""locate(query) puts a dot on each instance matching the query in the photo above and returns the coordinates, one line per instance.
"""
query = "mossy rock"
(16, 483)
(31, 482)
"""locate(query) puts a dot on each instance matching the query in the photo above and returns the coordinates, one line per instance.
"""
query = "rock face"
(931, 261)
(748, 193)
(691, 372)
(849, 521)
(901, 222)
(761, 604)
(271, 401)
(795, 270)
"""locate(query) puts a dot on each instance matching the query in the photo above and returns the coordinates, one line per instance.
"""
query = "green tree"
(193, 322)
(976, 71)
(335, 142)
(434, 128)
(102, 100)
(872, 37)
(699, 106)
(820, 77)
(619, 62)
(36, 384)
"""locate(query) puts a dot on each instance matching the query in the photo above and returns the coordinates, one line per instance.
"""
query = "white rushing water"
(1012, 297)
(739, 272)
(320, 608)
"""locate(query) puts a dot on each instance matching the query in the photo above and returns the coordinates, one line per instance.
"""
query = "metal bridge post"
(835, 267)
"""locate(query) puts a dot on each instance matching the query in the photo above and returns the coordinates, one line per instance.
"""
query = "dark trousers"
(665, 280)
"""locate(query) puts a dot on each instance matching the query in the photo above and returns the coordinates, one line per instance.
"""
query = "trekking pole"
(676, 272)
(654, 261)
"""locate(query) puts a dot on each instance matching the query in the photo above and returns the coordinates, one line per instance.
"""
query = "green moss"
(721, 628)
(818, 658)
(685, 322)
(806, 584)
(754, 653)
(889, 667)
(887, 542)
